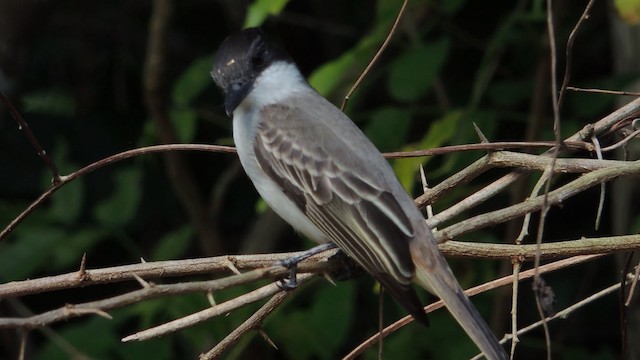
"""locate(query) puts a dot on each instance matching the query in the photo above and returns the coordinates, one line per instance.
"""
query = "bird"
(317, 170)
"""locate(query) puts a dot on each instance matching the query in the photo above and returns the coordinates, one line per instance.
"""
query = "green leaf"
(329, 76)
(319, 331)
(451, 7)
(185, 122)
(509, 92)
(66, 203)
(441, 131)
(193, 81)
(120, 208)
(76, 243)
(30, 252)
(50, 102)
(629, 10)
(332, 74)
(388, 128)
(94, 337)
(261, 9)
(156, 349)
(413, 73)
(174, 244)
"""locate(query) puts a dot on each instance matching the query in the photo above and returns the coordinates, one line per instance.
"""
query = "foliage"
(451, 64)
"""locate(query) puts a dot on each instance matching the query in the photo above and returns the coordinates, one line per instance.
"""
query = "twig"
(160, 269)
(554, 197)
(603, 187)
(621, 142)
(24, 127)
(538, 284)
(604, 125)
(101, 163)
(470, 292)
(569, 52)
(206, 314)
(376, 56)
(252, 323)
(603, 91)
(566, 312)
(489, 146)
(156, 100)
(517, 266)
(633, 285)
(166, 269)
(551, 250)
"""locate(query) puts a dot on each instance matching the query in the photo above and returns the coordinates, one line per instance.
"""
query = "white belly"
(267, 188)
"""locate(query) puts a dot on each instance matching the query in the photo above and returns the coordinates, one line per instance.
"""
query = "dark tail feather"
(433, 273)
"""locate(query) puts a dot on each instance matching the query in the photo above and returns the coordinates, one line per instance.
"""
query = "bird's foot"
(292, 264)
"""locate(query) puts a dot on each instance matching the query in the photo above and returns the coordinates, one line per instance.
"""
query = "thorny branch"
(260, 267)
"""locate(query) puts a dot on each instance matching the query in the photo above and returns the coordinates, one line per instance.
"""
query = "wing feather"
(361, 218)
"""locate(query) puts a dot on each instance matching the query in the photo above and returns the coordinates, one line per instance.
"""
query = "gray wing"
(354, 210)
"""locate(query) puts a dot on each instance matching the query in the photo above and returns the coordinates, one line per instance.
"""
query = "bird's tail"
(433, 274)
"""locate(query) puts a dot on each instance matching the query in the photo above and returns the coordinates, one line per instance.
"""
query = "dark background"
(75, 70)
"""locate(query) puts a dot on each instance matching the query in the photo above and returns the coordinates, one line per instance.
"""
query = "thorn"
(142, 260)
(129, 338)
(212, 301)
(329, 279)
(83, 266)
(141, 281)
(483, 139)
(232, 266)
(423, 178)
(266, 338)
(425, 187)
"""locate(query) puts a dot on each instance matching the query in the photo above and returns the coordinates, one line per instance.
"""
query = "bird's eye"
(236, 86)
(257, 62)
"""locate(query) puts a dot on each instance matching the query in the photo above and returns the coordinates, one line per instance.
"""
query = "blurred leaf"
(320, 331)
(76, 244)
(50, 102)
(587, 354)
(503, 35)
(185, 122)
(327, 77)
(332, 74)
(121, 206)
(149, 134)
(174, 244)
(156, 349)
(258, 12)
(413, 72)
(509, 92)
(398, 345)
(192, 82)
(30, 252)
(589, 104)
(440, 131)
(94, 337)
(388, 128)
(451, 7)
(66, 203)
(629, 10)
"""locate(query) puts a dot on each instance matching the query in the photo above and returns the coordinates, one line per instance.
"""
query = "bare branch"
(252, 323)
(24, 127)
(376, 56)
(561, 264)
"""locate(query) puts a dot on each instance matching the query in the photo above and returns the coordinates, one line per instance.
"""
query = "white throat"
(277, 82)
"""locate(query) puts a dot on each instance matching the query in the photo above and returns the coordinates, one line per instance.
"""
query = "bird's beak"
(234, 95)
